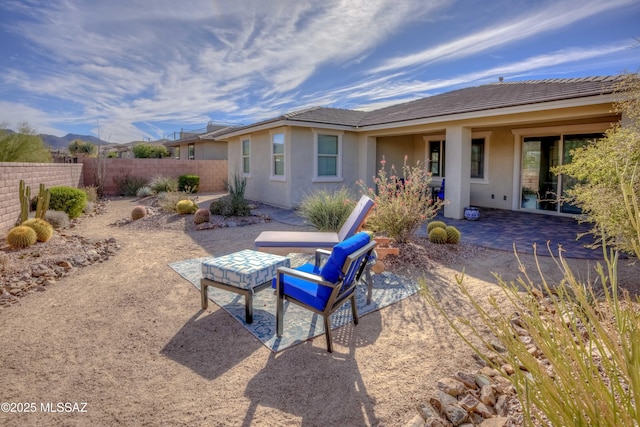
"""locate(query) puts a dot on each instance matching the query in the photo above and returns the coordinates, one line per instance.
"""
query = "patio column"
(457, 189)
(367, 167)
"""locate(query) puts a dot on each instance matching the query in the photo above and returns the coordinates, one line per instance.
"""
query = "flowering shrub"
(401, 203)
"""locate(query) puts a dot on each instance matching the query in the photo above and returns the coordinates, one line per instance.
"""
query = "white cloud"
(12, 114)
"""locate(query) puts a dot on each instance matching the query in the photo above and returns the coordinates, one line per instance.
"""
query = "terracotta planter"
(383, 249)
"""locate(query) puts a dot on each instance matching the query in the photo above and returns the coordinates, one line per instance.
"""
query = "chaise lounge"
(285, 242)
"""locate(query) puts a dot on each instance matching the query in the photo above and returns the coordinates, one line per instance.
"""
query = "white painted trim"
(273, 176)
(562, 129)
(242, 140)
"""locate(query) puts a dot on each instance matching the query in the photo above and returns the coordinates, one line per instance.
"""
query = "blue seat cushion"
(309, 293)
(332, 269)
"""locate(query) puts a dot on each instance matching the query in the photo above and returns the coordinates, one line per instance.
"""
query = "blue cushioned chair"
(324, 288)
(441, 191)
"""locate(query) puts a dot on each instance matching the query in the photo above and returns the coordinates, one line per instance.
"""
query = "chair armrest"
(287, 271)
(320, 254)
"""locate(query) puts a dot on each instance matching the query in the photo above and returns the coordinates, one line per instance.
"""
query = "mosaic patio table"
(244, 273)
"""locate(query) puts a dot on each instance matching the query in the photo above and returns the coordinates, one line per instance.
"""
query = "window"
(277, 156)
(327, 158)
(177, 152)
(477, 158)
(192, 152)
(436, 157)
(246, 157)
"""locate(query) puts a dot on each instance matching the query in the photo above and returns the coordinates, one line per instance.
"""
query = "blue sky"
(126, 70)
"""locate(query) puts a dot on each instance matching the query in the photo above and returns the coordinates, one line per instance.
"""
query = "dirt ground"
(127, 342)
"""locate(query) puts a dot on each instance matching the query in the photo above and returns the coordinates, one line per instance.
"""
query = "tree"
(145, 150)
(23, 146)
(609, 173)
(82, 147)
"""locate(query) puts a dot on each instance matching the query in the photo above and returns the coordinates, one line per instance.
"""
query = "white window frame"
(190, 155)
(324, 178)
(272, 157)
(243, 156)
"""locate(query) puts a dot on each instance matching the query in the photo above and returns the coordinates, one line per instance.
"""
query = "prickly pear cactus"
(438, 235)
(201, 216)
(138, 212)
(453, 235)
(21, 237)
(43, 229)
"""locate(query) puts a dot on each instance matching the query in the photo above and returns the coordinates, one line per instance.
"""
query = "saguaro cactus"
(44, 196)
(25, 197)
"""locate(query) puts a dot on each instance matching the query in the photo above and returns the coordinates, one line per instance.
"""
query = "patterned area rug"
(300, 325)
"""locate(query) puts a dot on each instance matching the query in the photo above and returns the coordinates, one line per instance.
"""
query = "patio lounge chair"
(285, 242)
(324, 288)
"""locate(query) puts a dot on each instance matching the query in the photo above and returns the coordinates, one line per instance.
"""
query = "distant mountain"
(62, 142)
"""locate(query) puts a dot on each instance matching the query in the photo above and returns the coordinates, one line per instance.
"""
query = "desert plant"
(145, 191)
(434, 224)
(453, 234)
(579, 362)
(163, 184)
(188, 183)
(89, 207)
(401, 204)
(92, 193)
(186, 207)
(68, 199)
(21, 237)
(23, 146)
(228, 206)
(167, 201)
(24, 194)
(57, 219)
(138, 212)
(201, 216)
(43, 229)
(42, 201)
(327, 210)
(128, 185)
(438, 235)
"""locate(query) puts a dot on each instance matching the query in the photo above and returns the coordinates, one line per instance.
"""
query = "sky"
(132, 70)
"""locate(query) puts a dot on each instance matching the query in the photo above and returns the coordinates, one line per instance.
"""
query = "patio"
(501, 229)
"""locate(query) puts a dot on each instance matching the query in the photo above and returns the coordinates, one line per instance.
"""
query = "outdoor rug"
(299, 324)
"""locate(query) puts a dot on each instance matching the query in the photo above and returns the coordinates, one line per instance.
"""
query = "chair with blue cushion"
(324, 288)
(441, 191)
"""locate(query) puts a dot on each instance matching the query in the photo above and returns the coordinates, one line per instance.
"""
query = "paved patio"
(500, 229)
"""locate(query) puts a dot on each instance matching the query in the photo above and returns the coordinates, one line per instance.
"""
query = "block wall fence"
(212, 175)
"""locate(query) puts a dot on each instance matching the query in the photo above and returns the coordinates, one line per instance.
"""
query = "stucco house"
(200, 146)
(494, 144)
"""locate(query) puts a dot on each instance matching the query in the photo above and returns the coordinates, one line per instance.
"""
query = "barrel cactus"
(435, 224)
(43, 229)
(138, 212)
(185, 207)
(453, 235)
(21, 237)
(201, 216)
(438, 235)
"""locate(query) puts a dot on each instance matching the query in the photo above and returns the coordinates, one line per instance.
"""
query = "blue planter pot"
(471, 213)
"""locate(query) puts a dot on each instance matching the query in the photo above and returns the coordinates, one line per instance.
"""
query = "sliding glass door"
(541, 188)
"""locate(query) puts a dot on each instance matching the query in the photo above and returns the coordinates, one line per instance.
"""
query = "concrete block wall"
(212, 173)
(34, 174)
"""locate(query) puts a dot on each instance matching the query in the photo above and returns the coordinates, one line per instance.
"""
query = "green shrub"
(128, 185)
(21, 237)
(401, 204)
(228, 206)
(438, 235)
(584, 370)
(163, 184)
(327, 210)
(57, 219)
(188, 183)
(144, 192)
(434, 224)
(453, 235)
(68, 199)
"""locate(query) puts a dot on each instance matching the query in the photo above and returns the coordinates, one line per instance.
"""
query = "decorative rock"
(482, 380)
(436, 422)
(508, 369)
(487, 395)
(416, 421)
(469, 403)
(495, 422)
(467, 379)
(428, 411)
(455, 414)
(501, 406)
(451, 386)
(483, 410)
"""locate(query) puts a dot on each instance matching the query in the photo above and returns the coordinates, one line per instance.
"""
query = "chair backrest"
(356, 218)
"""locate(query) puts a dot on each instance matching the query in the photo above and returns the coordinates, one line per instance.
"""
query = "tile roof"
(490, 96)
(471, 99)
